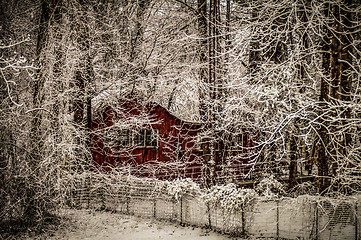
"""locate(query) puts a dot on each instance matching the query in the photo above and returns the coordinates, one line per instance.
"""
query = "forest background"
(286, 71)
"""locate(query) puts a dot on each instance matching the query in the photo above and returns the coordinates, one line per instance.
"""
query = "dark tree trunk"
(35, 133)
(49, 10)
(293, 162)
(277, 49)
(89, 95)
(203, 58)
(341, 79)
(322, 158)
(337, 60)
(254, 49)
(335, 50)
(84, 78)
(137, 36)
(136, 42)
(304, 10)
(228, 29)
(79, 101)
(346, 77)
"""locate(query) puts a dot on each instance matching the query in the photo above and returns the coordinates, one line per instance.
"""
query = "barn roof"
(114, 97)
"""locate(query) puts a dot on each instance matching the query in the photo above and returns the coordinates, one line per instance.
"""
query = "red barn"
(151, 141)
(146, 137)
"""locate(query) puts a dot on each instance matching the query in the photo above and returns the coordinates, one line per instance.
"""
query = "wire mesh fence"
(304, 217)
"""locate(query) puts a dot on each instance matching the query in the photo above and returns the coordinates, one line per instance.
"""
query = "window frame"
(146, 138)
(236, 142)
(117, 138)
(124, 135)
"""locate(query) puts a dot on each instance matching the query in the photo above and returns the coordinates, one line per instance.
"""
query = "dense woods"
(285, 72)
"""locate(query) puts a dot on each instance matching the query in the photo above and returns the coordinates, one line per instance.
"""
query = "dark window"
(146, 138)
(116, 137)
(139, 138)
(151, 139)
(124, 137)
(236, 141)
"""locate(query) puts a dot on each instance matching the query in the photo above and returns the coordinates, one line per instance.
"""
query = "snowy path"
(104, 225)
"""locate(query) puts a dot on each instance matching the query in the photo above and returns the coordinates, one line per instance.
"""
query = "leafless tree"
(284, 75)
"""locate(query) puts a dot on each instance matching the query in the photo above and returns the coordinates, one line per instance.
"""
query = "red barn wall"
(171, 131)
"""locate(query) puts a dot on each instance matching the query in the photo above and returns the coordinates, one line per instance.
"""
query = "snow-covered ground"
(85, 224)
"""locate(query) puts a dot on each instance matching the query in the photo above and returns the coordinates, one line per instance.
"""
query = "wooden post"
(88, 192)
(316, 221)
(243, 220)
(155, 208)
(127, 198)
(356, 222)
(181, 210)
(278, 220)
(209, 216)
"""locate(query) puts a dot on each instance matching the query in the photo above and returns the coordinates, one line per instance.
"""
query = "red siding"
(157, 161)
(171, 131)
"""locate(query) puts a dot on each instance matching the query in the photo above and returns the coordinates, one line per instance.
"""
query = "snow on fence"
(304, 217)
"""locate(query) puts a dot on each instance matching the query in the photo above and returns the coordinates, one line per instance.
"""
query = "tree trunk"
(35, 133)
(136, 41)
(203, 58)
(79, 99)
(293, 162)
(83, 94)
(322, 158)
(254, 58)
(49, 9)
(341, 80)
(337, 60)
(345, 76)
(228, 41)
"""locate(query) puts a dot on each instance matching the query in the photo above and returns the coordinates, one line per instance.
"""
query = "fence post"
(127, 198)
(102, 194)
(181, 210)
(356, 222)
(278, 219)
(87, 189)
(243, 220)
(209, 216)
(316, 221)
(155, 208)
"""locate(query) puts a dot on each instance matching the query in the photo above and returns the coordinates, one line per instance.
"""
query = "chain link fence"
(304, 217)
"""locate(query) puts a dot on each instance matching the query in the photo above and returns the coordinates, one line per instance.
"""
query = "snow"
(89, 224)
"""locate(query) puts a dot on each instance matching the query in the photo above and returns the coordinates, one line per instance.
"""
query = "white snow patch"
(88, 224)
